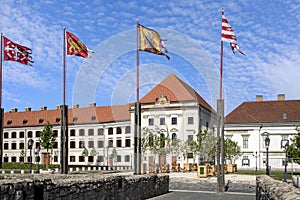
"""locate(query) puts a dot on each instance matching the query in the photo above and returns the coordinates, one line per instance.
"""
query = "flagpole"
(137, 61)
(64, 118)
(1, 109)
(137, 113)
(220, 130)
(64, 68)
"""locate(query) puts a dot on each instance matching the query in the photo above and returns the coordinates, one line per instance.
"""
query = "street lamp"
(267, 144)
(30, 144)
(256, 156)
(285, 146)
(37, 158)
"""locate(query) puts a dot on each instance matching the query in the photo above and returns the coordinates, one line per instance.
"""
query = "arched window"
(174, 138)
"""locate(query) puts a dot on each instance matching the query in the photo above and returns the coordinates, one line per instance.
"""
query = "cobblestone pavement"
(187, 185)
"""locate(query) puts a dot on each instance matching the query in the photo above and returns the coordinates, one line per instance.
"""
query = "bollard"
(22, 171)
(12, 172)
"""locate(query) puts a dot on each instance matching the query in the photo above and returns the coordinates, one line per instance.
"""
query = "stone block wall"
(268, 188)
(82, 187)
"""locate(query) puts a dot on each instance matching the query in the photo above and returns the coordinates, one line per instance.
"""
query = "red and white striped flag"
(228, 35)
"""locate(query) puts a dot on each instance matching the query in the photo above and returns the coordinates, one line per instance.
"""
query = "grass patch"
(277, 175)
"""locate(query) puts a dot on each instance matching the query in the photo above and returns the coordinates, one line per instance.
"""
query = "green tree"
(85, 153)
(294, 147)
(114, 154)
(93, 153)
(231, 150)
(47, 140)
(22, 154)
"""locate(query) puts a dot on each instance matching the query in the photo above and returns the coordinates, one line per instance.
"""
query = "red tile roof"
(175, 90)
(265, 112)
(172, 87)
(75, 116)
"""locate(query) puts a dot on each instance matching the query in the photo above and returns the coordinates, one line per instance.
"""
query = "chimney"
(57, 107)
(14, 110)
(43, 108)
(92, 104)
(27, 109)
(75, 106)
(281, 97)
(259, 97)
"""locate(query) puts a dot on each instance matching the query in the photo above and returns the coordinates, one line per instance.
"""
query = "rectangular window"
(100, 159)
(100, 131)
(190, 138)
(110, 131)
(14, 159)
(174, 120)
(91, 144)
(190, 120)
(29, 134)
(55, 159)
(72, 144)
(5, 146)
(81, 132)
(151, 121)
(127, 129)
(55, 146)
(37, 133)
(13, 135)
(119, 143)
(21, 134)
(110, 143)
(72, 158)
(245, 161)
(100, 144)
(127, 158)
(245, 142)
(119, 158)
(91, 159)
(21, 145)
(72, 132)
(14, 145)
(81, 158)
(162, 121)
(81, 144)
(91, 132)
(5, 135)
(127, 142)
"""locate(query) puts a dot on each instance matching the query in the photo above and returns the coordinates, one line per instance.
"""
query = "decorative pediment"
(162, 100)
(174, 130)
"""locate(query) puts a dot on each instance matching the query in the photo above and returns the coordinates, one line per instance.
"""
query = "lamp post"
(37, 158)
(30, 144)
(256, 156)
(267, 143)
(285, 146)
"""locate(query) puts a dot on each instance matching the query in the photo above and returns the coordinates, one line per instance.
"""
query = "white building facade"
(251, 122)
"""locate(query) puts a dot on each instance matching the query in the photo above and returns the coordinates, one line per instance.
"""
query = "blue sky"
(268, 33)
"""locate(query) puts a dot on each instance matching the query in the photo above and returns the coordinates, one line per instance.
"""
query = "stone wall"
(77, 187)
(268, 188)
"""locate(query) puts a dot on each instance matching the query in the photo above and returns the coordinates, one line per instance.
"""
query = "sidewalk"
(233, 178)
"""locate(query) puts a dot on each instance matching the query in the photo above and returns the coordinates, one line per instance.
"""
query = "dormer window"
(75, 119)
(93, 118)
(41, 120)
(284, 116)
(57, 119)
(25, 121)
(9, 122)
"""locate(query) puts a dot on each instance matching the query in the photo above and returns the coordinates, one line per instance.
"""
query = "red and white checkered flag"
(228, 35)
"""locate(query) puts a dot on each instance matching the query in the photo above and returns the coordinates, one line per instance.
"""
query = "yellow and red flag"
(75, 46)
(150, 41)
